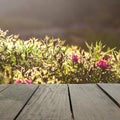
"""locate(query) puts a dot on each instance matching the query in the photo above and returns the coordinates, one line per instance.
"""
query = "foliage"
(51, 61)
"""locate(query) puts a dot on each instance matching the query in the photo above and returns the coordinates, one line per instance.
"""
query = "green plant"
(51, 61)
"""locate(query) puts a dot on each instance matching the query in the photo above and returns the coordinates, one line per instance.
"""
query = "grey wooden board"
(3, 87)
(50, 102)
(13, 99)
(91, 103)
(113, 90)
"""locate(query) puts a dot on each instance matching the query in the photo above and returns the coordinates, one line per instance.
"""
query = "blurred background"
(76, 21)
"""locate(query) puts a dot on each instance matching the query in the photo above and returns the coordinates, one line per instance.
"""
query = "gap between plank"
(70, 102)
(109, 95)
(25, 103)
(5, 88)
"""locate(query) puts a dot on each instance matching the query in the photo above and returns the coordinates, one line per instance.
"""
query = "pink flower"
(103, 64)
(75, 58)
(106, 57)
(19, 81)
(28, 81)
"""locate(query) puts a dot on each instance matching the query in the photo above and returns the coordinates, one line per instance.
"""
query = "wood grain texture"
(89, 102)
(113, 90)
(13, 99)
(3, 87)
(50, 102)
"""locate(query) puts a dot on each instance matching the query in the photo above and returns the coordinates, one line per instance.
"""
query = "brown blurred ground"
(74, 20)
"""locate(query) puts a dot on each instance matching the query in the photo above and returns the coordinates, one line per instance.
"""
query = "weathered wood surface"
(90, 103)
(13, 99)
(113, 90)
(50, 102)
(60, 102)
(3, 87)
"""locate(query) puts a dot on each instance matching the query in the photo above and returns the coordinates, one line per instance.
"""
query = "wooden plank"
(50, 102)
(3, 87)
(113, 91)
(13, 99)
(90, 103)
